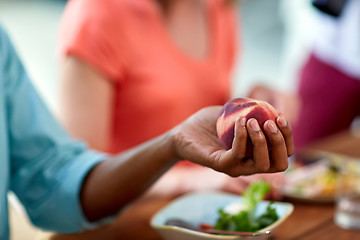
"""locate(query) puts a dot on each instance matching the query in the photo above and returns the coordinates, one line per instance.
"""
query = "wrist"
(169, 146)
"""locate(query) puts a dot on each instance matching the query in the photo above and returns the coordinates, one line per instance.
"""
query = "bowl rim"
(193, 232)
(267, 229)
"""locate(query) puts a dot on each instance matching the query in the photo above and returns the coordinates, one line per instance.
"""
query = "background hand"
(285, 102)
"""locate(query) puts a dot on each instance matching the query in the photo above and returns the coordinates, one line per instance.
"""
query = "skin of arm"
(86, 100)
(116, 182)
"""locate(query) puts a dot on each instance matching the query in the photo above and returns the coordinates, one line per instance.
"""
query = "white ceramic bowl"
(202, 207)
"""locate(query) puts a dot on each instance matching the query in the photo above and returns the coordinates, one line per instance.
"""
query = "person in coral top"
(133, 69)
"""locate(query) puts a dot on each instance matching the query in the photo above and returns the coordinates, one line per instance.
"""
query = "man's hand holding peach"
(196, 139)
(255, 132)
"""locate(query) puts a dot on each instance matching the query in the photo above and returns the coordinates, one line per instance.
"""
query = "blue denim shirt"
(39, 162)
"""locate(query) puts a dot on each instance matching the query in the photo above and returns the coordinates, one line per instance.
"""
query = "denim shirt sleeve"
(47, 166)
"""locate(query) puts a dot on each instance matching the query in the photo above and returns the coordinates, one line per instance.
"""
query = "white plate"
(311, 176)
(202, 207)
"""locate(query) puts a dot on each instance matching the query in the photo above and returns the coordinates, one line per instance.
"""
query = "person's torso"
(161, 85)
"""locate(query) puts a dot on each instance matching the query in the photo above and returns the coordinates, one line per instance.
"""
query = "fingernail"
(282, 121)
(242, 121)
(254, 125)
(272, 127)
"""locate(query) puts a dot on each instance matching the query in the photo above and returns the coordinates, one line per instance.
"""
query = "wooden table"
(308, 221)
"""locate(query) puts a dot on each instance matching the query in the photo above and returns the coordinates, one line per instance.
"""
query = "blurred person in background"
(329, 84)
(284, 101)
(328, 92)
(61, 182)
(133, 69)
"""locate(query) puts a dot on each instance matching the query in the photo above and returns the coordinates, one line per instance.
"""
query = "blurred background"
(274, 44)
(273, 36)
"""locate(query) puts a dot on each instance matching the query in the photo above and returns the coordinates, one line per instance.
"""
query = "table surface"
(308, 221)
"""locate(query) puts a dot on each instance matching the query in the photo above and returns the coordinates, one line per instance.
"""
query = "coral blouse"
(157, 85)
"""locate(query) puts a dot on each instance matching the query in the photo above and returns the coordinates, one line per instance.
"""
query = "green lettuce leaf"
(245, 220)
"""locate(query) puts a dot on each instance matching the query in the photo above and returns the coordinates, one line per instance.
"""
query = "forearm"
(114, 183)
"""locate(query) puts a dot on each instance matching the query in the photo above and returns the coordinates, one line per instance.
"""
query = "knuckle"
(239, 155)
(287, 132)
(221, 168)
(278, 140)
(240, 170)
(259, 139)
(216, 165)
(264, 167)
(233, 174)
(240, 134)
(226, 168)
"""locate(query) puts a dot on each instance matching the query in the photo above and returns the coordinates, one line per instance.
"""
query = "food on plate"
(241, 216)
(242, 107)
(316, 177)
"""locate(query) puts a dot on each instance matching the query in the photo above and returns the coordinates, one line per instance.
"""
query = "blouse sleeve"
(91, 31)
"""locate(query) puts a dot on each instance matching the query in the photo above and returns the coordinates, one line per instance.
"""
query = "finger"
(260, 149)
(240, 138)
(243, 168)
(232, 161)
(285, 129)
(279, 157)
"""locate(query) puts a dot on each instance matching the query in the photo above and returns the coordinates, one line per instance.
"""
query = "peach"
(242, 107)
